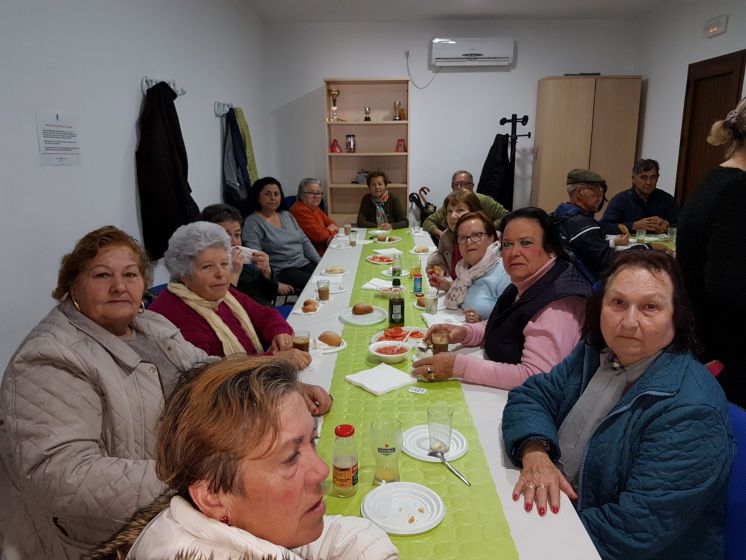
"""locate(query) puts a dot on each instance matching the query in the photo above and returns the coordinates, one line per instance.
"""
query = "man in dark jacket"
(580, 232)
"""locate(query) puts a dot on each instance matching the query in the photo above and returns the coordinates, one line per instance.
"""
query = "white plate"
(403, 508)
(376, 316)
(430, 251)
(325, 273)
(374, 338)
(376, 231)
(334, 288)
(416, 443)
(393, 239)
(387, 272)
(370, 257)
(326, 349)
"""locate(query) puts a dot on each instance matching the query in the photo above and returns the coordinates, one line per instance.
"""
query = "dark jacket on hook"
(236, 180)
(496, 179)
(165, 196)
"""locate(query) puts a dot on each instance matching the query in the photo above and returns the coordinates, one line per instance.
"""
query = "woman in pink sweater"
(537, 320)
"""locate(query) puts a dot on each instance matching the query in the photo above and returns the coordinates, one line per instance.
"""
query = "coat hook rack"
(514, 121)
(146, 83)
(221, 108)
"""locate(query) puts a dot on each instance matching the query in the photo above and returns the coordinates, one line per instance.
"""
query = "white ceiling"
(285, 11)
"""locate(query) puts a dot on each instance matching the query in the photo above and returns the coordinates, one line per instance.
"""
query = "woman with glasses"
(480, 277)
(314, 222)
(537, 319)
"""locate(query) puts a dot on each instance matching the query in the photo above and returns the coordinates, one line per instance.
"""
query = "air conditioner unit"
(472, 51)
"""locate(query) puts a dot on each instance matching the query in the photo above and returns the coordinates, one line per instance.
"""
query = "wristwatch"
(541, 441)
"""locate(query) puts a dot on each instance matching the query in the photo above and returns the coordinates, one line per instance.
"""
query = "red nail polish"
(555, 509)
(515, 497)
(542, 511)
(528, 506)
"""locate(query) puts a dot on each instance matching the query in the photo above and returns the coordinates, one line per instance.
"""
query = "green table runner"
(474, 525)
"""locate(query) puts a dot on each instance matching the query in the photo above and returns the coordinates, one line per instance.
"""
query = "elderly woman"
(536, 321)
(442, 263)
(712, 258)
(80, 399)
(257, 282)
(314, 222)
(237, 448)
(379, 208)
(210, 313)
(480, 275)
(630, 425)
(272, 228)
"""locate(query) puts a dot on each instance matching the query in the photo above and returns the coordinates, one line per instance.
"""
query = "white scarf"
(206, 309)
(465, 275)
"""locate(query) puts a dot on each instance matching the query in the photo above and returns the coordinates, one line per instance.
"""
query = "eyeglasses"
(462, 184)
(475, 237)
(523, 243)
(313, 193)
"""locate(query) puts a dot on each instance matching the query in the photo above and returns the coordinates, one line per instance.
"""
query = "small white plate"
(326, 349)
(416, 443)
(387, 272)
(369, 258)
(376, 316)
(430, 251)
(376, 231)
(334, 288)
(325, 273)
(391, 240)
(374, 338)
(403, 508)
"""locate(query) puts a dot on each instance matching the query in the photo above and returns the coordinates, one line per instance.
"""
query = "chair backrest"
(290, 200)
(735, 517)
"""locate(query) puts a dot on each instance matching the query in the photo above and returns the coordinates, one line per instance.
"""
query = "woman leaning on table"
(630, 426)
(379, 208)
(712, 255)
(314, 222)
(536, 321)
(80, 400)
(272, 228)
(236, 447)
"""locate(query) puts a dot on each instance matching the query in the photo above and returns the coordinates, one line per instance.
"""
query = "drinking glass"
(439, 418)
(440, 342)
(386, 442)
(672, 235)
(640, 235)
(302, 340)
(322, 286)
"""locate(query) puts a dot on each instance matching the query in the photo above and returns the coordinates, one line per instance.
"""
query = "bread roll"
(420, 249)
(310, 305)
(623, 229)
(334, 270)
(330, 338)
(382, 237)
(362, 309)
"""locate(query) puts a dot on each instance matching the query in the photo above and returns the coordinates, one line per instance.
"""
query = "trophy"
(367, 114)
(397, 110)
(334, 94)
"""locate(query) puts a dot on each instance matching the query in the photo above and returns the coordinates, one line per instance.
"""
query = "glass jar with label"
(350, 143)
(344, 462)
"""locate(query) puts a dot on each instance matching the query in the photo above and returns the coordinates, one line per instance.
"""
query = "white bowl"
(390, 358)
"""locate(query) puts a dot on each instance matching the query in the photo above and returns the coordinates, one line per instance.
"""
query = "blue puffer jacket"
(655, 473)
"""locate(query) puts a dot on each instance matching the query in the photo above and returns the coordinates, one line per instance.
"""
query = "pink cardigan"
(550, 337)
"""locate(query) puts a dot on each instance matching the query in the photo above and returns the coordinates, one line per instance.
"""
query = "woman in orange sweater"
(314, 222)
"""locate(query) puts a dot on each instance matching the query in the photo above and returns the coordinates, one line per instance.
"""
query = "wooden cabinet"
(585, 122)
(380, 144)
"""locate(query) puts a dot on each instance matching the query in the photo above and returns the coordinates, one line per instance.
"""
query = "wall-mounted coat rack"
(146, 83)
(221, 108)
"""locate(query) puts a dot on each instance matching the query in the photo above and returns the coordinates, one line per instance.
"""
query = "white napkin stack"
(449, 316)
(381, 379)
(376, 284)
(389, 251)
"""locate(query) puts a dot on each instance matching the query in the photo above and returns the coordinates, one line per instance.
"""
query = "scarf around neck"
(466, 275)
(208, 311)
(381, 217)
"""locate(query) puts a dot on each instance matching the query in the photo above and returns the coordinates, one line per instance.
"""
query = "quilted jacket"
(79, 411)
(655, 473)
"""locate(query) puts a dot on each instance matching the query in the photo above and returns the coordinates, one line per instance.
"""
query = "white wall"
(454, 120)
(669, 39)
(86, 57)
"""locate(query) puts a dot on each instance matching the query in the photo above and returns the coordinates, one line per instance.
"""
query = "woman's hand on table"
(456, 333)
(384, 226)
(317, 400)
(471, 315)
(333, 228)
(621, 239)
(435, 368)
(282, 341)
(541, 481)
(439, 281)
(298, 358)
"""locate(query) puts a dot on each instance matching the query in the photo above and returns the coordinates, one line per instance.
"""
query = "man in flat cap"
(580, 232)
(643, 206)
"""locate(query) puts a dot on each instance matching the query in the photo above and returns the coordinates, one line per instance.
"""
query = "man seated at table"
(580, 232)
(436, 225)
(643, 206)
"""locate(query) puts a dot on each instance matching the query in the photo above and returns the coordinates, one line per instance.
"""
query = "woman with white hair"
(210, 313)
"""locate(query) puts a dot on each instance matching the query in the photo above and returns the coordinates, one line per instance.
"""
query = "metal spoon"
(439, 455)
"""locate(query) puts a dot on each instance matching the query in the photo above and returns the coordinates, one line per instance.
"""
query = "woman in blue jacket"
(630, 426)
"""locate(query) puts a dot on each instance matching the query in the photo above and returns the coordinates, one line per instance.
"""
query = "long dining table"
(480, 521)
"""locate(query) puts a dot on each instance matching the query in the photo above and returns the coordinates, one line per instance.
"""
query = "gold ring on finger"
(542, 485)
(530, 485)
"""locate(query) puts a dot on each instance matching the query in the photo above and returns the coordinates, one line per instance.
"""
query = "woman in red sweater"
(314, 222)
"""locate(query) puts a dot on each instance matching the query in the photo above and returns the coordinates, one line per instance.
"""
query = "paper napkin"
(381, 379)
(450, 316)
(389, 251)
(376, 284)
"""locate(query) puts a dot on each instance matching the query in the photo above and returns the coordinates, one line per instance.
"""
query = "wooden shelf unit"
(376, 141)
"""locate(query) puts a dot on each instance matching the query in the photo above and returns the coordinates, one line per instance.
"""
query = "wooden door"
(713, 87)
